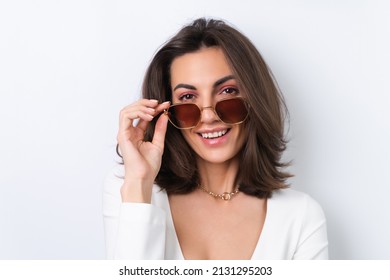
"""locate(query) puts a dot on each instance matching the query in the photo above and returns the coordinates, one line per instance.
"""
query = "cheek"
(242, 136)
(189, 136)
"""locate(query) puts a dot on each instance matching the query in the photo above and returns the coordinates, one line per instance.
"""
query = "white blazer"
(294, 228)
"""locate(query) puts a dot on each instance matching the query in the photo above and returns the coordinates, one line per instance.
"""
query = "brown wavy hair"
(260, 169)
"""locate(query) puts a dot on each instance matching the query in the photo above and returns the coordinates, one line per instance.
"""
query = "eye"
(187, 97)
(230, 90)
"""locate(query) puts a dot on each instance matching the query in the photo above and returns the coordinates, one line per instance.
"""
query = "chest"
(217, 229)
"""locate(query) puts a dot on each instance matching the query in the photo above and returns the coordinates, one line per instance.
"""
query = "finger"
(127, 118)
(148, 106)
(140, 110)
(134, 110)
(142, 124)
(149, 102)
(130, 116)
(163, 106)
(160, 131)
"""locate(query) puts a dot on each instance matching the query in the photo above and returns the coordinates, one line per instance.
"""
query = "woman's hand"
(142, 159)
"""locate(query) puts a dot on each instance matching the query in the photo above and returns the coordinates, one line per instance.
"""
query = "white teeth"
(214, 134)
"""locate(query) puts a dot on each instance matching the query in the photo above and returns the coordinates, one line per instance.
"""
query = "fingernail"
(167, 102)
(154, 100)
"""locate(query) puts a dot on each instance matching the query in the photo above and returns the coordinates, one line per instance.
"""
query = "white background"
(68, 67)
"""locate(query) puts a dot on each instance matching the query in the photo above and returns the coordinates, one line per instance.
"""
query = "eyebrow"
(223, 80)
(216, 84)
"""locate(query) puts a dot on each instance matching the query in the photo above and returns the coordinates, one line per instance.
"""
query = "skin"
(142, 160)
(207, 228)
(199, 72)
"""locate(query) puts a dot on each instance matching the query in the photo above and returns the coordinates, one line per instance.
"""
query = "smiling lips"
(216, 134)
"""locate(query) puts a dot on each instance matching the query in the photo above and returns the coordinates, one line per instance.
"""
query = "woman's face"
(204, 77)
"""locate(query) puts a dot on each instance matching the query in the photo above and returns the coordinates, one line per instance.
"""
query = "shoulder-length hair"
(260, 170)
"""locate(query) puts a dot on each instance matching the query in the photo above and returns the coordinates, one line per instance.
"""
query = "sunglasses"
(188, 115)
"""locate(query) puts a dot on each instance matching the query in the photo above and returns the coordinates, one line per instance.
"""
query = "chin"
(218, 156)
(216, 159)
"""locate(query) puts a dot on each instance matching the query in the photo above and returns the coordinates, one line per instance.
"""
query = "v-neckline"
(259, 243)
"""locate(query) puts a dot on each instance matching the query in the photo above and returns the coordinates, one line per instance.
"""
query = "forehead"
(203, 66)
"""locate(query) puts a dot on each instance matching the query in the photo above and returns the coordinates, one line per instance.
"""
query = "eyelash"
(236, 91)
(191, 96)
(186, 96)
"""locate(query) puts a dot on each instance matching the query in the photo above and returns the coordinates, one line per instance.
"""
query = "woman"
(202, 176)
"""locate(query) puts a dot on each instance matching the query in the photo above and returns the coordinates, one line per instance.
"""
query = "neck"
(218, 177)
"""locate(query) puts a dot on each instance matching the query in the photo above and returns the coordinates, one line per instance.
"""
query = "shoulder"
(291, 197)
(295, 226)
(293, 203)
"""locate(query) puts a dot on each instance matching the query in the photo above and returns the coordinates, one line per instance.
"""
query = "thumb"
(160, 131)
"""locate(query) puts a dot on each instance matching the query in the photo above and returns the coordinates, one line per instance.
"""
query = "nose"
(208, 115)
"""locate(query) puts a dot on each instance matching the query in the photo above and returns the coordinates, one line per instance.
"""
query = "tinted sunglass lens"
(184, 115)
(232, 111)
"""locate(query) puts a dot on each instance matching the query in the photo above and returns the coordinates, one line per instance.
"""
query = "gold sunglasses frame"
(246, 104)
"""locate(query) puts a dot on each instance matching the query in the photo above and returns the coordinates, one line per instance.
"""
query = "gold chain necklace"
(224, 196)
